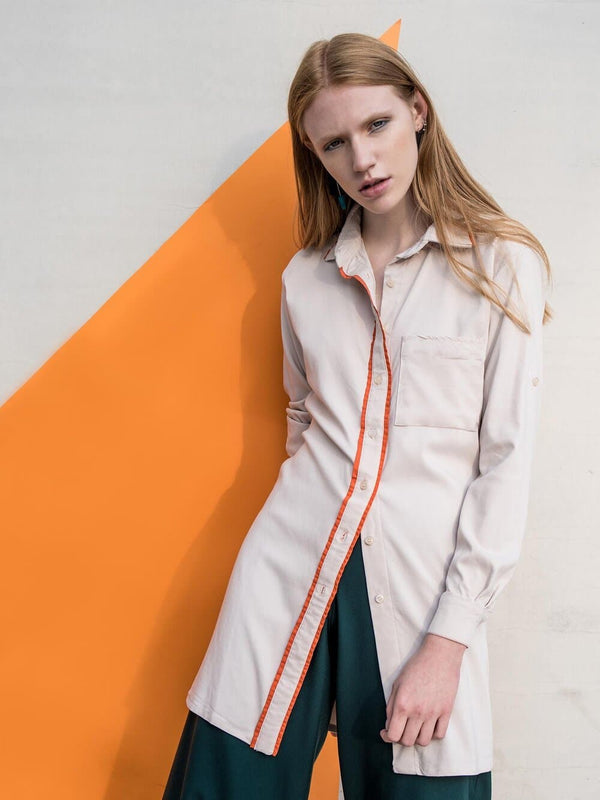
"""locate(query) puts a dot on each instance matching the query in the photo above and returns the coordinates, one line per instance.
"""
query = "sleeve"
(294, 380)
(493, 514)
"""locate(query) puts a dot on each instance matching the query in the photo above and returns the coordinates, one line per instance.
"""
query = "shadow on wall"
(256, 222)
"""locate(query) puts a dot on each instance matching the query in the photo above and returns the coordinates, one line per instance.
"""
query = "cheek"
(408, 154)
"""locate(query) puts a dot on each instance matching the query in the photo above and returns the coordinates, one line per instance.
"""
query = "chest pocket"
(440, 382)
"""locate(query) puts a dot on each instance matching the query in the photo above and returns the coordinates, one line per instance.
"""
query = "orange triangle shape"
(133, 462)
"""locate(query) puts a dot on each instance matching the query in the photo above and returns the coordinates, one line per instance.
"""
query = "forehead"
(337, 107)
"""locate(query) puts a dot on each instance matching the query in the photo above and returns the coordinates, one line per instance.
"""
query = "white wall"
(120, 118)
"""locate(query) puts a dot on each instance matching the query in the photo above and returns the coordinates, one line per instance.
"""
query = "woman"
(412, 333)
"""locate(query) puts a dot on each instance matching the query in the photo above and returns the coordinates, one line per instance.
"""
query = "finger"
(384, 736)
(426, 731)
(441, 726)
(411, 731)
(396, 727)
(390, 707)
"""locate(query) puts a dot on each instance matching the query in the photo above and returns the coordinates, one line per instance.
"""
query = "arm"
(493, 514)
(294, 380)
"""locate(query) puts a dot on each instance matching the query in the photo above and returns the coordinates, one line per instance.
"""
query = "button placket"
(367, 469)
(358, 510)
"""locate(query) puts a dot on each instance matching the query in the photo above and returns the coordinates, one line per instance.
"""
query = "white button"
(344, 534)
(535, 381)
(379, 598)
(389, 281)
(363, 484)
(378, 378)
(369, 540)
(372, 433)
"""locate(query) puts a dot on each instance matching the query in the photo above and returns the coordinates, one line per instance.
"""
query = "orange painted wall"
(132, 464)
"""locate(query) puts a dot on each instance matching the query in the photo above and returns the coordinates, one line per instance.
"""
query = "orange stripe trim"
(365, 513)
(319, 566)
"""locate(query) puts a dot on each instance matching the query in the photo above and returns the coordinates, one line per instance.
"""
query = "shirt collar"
(348, 245)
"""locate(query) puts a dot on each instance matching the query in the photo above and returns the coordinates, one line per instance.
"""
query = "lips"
(371, 182)
(375, 187)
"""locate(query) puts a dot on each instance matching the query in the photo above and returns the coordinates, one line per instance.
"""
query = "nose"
(362, 155)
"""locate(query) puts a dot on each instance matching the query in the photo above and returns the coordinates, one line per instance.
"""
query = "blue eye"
(379, 123)
(376, 125)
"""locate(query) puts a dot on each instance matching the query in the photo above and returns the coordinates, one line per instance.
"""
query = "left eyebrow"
(368, 121)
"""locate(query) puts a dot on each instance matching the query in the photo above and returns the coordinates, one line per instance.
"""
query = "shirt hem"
(403, 764)
(208, 713)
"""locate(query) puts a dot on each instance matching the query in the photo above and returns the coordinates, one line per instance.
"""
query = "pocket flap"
(443, 346)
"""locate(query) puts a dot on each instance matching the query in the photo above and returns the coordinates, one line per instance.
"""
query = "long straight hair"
(443, 190)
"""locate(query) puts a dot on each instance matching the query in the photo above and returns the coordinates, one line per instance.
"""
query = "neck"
(395, 231)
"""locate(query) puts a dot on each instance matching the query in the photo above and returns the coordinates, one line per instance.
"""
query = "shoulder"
(520, 273)
(303, 264)
(515, 259)
(509, 261)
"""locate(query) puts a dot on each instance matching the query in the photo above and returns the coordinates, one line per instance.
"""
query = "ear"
(307, 143)
(419, 109)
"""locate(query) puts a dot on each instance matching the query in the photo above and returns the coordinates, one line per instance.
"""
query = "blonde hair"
(443, 190)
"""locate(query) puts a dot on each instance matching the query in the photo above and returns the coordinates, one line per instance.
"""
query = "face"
(365, 138)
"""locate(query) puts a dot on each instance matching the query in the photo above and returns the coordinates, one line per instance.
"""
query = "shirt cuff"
(457, 618)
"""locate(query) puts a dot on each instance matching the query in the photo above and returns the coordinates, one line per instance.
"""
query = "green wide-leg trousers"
(213, 765)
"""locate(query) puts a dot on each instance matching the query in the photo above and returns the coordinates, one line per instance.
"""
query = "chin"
(383, 208)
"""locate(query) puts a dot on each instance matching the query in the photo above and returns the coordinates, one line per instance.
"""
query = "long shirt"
(410, 433)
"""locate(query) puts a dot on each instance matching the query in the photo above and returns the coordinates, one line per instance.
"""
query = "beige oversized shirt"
(410, 433)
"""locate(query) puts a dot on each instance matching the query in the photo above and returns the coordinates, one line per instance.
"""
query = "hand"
(423, 694)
